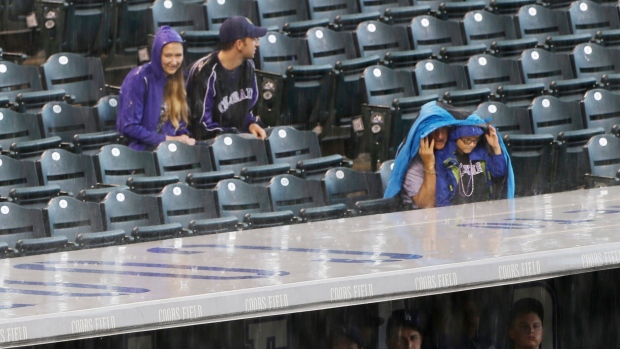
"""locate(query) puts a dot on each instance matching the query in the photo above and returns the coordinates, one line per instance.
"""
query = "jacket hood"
(165, 35)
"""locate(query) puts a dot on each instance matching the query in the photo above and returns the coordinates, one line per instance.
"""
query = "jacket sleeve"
(250, 118)
(497, 165)
(131, 113)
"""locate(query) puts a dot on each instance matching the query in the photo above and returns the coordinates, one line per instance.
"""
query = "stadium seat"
(178, 15)
(389, 108)
(71, 172)
(90, 143)
(456, 10)
(509, 7)
(378, 38)
(507, 120)
(483, 27)
(541, 66)
(22, 86)
(343, 185)
(87, 27)
(136, 215)
(300, 150)
(17, 127)
(429, 32)
(402, 16)
(435, 78)
(116, 163)
(532, 162)
(66, 120)
(601, 108)
(304, 197)
(328, 47)
(133, 26)
(502, 78)
(22, 229)
(603, 158)
(15, 30)
(342, 14)
(80, 222)
(176, 158)
(107, 109)
(246, 156)
(592, 60)
(385, 171)
(286, 16)
(13, 174)
(588, 17)
(218, 11)
(180, 203)
(292, 91)
(80, 77)
(550, 115)
(571, 161)
(249, 204)
(548, 26)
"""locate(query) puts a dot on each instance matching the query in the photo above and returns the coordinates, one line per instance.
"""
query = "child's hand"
(493, 140)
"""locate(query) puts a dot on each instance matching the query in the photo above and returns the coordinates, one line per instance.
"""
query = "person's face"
(440, 136)
(343, 342)
(465, 145)
(248, 47)
(172, 57)
(526, 331)
(404, 338)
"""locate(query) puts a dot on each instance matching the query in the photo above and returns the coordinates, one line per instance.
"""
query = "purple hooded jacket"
(141, 99)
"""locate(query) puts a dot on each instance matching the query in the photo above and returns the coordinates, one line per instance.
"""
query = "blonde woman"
(152, 101)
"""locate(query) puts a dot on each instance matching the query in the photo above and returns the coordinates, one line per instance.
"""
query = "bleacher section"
(547, 74)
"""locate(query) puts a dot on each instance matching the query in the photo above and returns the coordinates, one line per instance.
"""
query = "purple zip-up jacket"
(141, 97)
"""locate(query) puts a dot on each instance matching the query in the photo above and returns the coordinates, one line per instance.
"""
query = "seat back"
(288, 192)
(433, 77)
(343, 185)
(115, 163)
(482, 27)
(601, 108)
(81, 77)
(330, 9)
(486, 71)
(550, 115)
(180, 203)
(277, 52)
(429, 32)
(135, 24)
(87, 27)
(176, 158)
(13, 174)
(378, 38)
(288, 145)
(603, 155)
(507, 120)
(381, 85)
(16, 79)
(218, 11)
(178, 15)
(385, 171)
(67, 216)
(326, 46)
(107, 110)
(237, 198)
(125, 210)
(275, 13)
(592, 60)
(17, 127)
(541, 66)
(66, 120)
(71, 172)
(537, 21)
(589, 17)
(532, 159)
(235, 151)
(17, 223)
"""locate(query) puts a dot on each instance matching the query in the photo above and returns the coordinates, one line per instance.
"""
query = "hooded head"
(164, 36)
(465, 131)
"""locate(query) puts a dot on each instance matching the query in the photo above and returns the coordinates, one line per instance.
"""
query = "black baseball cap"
(239, 27)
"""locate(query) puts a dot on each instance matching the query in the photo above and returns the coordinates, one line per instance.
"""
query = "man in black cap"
(221, 87)
(403, 331)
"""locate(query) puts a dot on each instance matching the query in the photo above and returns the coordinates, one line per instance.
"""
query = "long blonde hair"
(175, 98)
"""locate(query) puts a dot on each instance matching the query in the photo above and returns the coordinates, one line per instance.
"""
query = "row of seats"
(284, 151)
(118, 215)
(63, 77)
